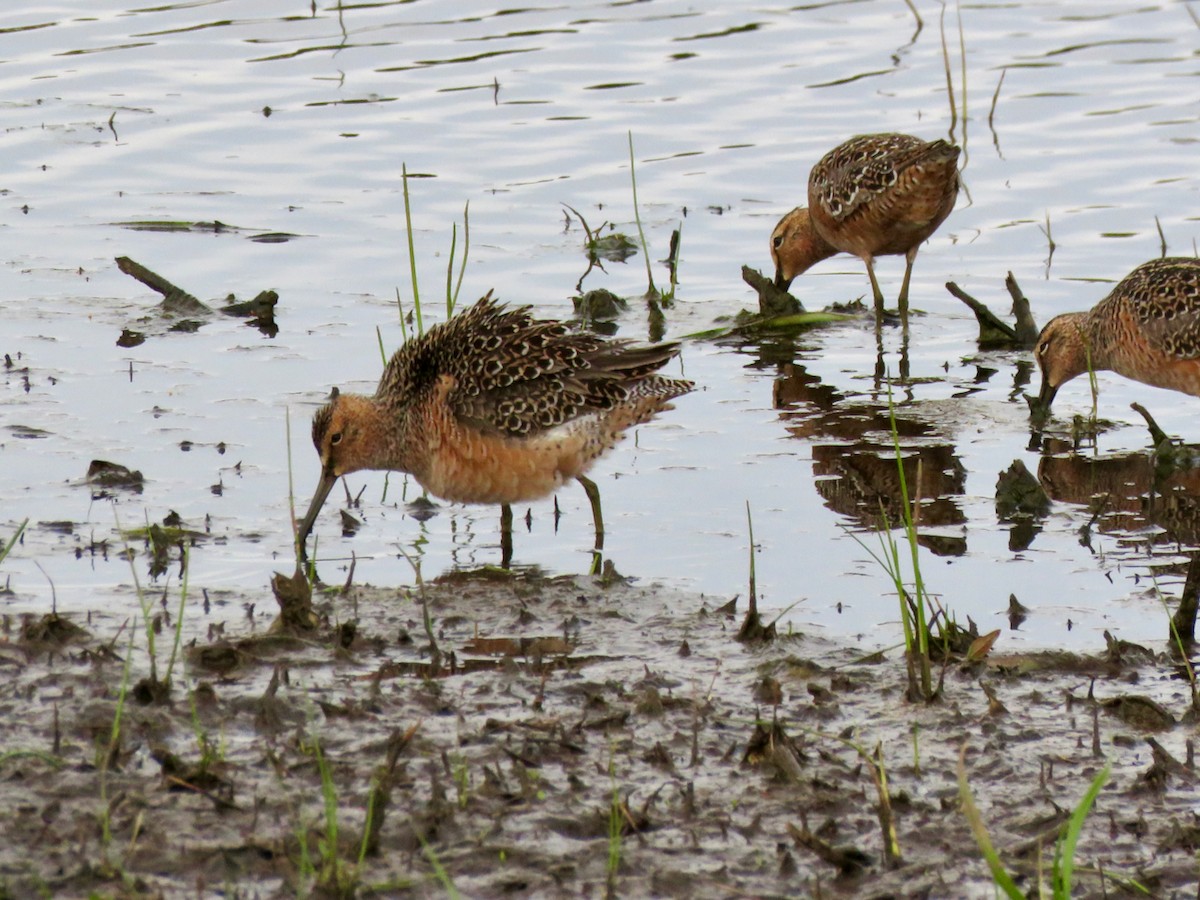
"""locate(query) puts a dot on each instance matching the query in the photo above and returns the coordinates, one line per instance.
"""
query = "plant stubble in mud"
(573, 735)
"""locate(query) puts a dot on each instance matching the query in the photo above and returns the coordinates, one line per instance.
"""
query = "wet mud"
(493, 733)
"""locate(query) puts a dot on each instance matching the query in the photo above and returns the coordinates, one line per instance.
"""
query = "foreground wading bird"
(1147, 329)
(494, 406)
(874, 195)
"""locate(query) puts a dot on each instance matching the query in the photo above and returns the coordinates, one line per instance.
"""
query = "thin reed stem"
(638, 218)
(412, 252)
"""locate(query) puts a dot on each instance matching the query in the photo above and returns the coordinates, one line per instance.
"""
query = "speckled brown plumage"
(494, 406)
(874, 195)
(1147, 329)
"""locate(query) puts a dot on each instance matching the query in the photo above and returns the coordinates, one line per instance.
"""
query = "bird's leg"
(593, 493)
(874, 284)
(506, 540)
(909, 258)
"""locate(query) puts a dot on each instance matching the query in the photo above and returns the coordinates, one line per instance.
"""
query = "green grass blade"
(439, 870)
(183, 590)
(1064, 851)
(1000, 875)
(638, 218)
(412, 251)
(13, 540)
(450, 271)
(452, 295)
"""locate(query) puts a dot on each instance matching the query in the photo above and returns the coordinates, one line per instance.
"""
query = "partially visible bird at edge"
(1147, 329)
(494, 406)
(874, 195)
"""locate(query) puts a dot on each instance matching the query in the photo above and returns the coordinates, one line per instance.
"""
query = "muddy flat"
(568, 736)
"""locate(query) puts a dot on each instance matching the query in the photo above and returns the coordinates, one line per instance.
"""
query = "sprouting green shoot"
(403, 325)
(114, 739)
(1180, 646)
(638, 218)
(412, 251)
(183, 590)
(439, 870)
(452, 294)
(614, 833)
(1094, 387)
(143, 602)
(1064, 849)
(750, 526)
(330, 860)
(920, 625)
(1000, 875)
(369, 824)
(12, 541)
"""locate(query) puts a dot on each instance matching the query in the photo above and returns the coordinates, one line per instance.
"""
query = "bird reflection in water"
(854, 460)
(1125, 492)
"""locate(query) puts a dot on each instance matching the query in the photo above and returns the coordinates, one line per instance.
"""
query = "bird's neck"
(380, 438)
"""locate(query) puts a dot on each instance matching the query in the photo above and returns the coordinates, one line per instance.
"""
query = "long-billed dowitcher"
(1147, 329)
(874, 195)
(494, 406)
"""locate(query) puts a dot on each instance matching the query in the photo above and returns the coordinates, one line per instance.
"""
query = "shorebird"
(1147, 329)
(874, 195)
(494, 406)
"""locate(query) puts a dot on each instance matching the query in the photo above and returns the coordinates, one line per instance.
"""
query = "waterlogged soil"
(514, 734)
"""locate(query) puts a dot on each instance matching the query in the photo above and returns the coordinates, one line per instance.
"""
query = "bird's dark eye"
(335, 439)
(776, 241)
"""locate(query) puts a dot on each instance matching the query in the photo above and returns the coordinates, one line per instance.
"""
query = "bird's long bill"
(780, 282)
(324, 486)
(1046, 395)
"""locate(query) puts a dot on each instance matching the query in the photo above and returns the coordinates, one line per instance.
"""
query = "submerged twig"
(1027, 329)
(993, 331)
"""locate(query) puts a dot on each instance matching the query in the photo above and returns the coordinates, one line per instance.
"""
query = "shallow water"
(274, 120)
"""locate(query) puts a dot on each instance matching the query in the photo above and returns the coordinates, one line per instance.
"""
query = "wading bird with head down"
(874, 195)
(1147, 329)
(494, 406)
